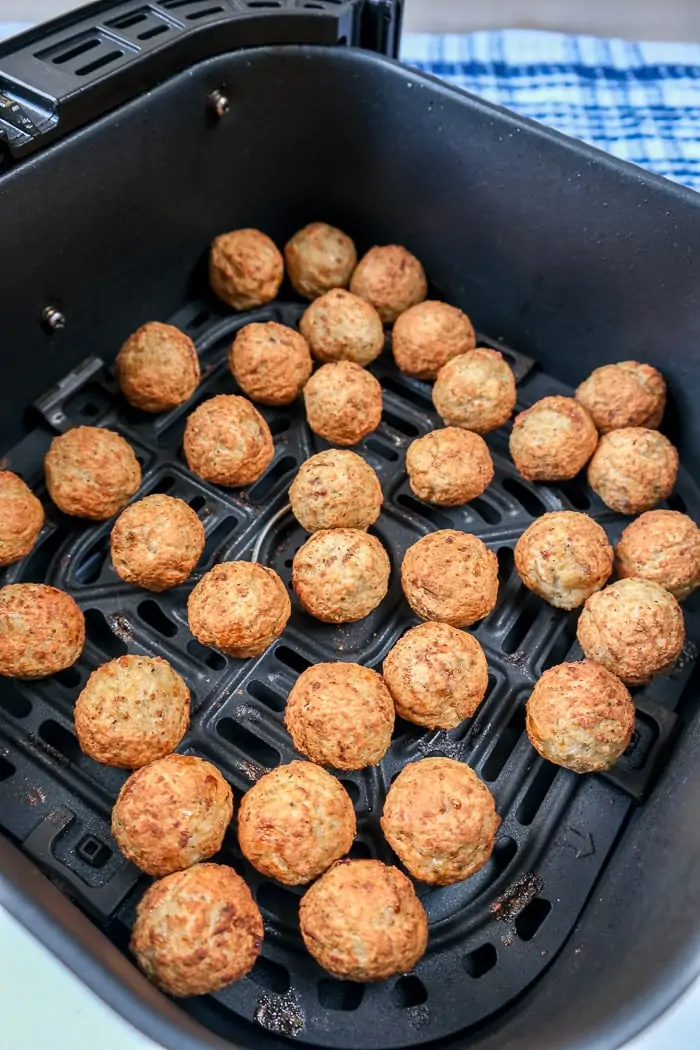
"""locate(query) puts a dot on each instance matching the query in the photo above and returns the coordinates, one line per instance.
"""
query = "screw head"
(53, 319)
(219, 103)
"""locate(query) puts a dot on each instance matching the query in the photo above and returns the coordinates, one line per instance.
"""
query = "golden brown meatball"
(156, 542)
(634, 628)
(42, 630)
(157, 367)
(197, 930)
(91, 472)
(342, 327)
(428, 335)
(318, 258)
(451, 577)
(132, 711)
(580, 716)
(227, 441)
(449, 466)
(21, 518)
(475, 391)
(172, 814)
(624, 395)
(633, 469)
(340, 575)
(336, 489)
(564, 557)
(553, 440)
(362, 921)
(340, 715)
(662, 546)
(391, 279)
(245, 268)
(437, 675)
(295, 822)
(270, 362)
(239, 607)
(343, 403)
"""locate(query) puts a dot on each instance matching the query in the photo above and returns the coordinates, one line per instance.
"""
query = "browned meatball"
(157, 367)
(239, 607)
(318, 258)
(343, 403)
(21, 518)
(340, 715)
(172, 814)
(362, 921)
(663, 546)
(156, 542)
(295, 822)
(42, 630)
(245, 268)
(342, 327)
(564, 557)
(451, 577)
(91, 472)
(227, 441)
(197, 930)
(634, 628)
(553, 440)
(340, 575)
(336, 489)
(270, 362)
(633, 469)
(580, 716)
(437, 675)
(449, 466)
(391, 279)
(440, 820)
(624, 395)
(475, 391)
(428, 335)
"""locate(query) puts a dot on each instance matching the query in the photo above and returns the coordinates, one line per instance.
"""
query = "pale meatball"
(21, 518)
(633, 469)
(553, 440)
(91, 472)
(196, 931)
(564, 557)
(245, 268)
(342, 327)
(449, 467)
(227, 441)
(580, 716)
(336, 489)
(451, 577)
(318, 258)
(157, 367)
(627, 394)
(133, 710)
(295, 822)
(634, 628)
(270, 362)
(362, 921)
(172, 814)
(42, 630)
(662, 546)
(340, 715)
(475, 391)
(391, 279)
(239, 607)
(156, 542)
(343, 403)
(340, 575)
(428, 335)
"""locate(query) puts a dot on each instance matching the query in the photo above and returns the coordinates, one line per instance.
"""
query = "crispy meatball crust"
(172, 814)
(437, 675)
(633, 469)
(450, 576)
(634, 628)
(553, 440)
(449, 467)
(295, 822)
(340, 575)
(156, 542)
(662, 546)
(21, 518)
(340, 715)
(133, 710)
(245, 268)
(197, 930)
(564, 557)
(270, 362)
(157, 367)
(227, 441)
(42, 630)
(428, 335)
(91, 472)
(239, 607)
(627, 394)
(319, 258)
(580, 716)
(475, 391)
(342, 327)
(391, 279)
(343, 403)
(362, 921)
(336, 489)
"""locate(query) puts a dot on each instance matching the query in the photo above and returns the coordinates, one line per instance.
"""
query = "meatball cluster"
(340, 575)
(239, 607)
(662, 546)
(91, 472)
(564, 557)
(319, 258)
(245, 268)
(343, 403)
(553, 440)
(42, 630)
(633, 469)
(156, 542)
(270, 362)
(335, 490)
(449, 467)
(21, 518)
(451, 577)
(157, 367)
(342, 327)
(391, 279)
(475, 391)
(428, 336)
(627, 394)
(227, 441)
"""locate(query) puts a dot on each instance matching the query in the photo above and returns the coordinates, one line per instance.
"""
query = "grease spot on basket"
(441, 744)
(282, 1014)
(419, 1016)
(120, 625)
(515, 899)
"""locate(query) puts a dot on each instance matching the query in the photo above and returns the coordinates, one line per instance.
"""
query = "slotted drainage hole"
(270, 975)
(478, 962)
(408, 991)
(248, 743)
(536, 793)
(531, 918)
(339, 995)
(505, 744)
(59, 739)
(267, 696)
(279, 902)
